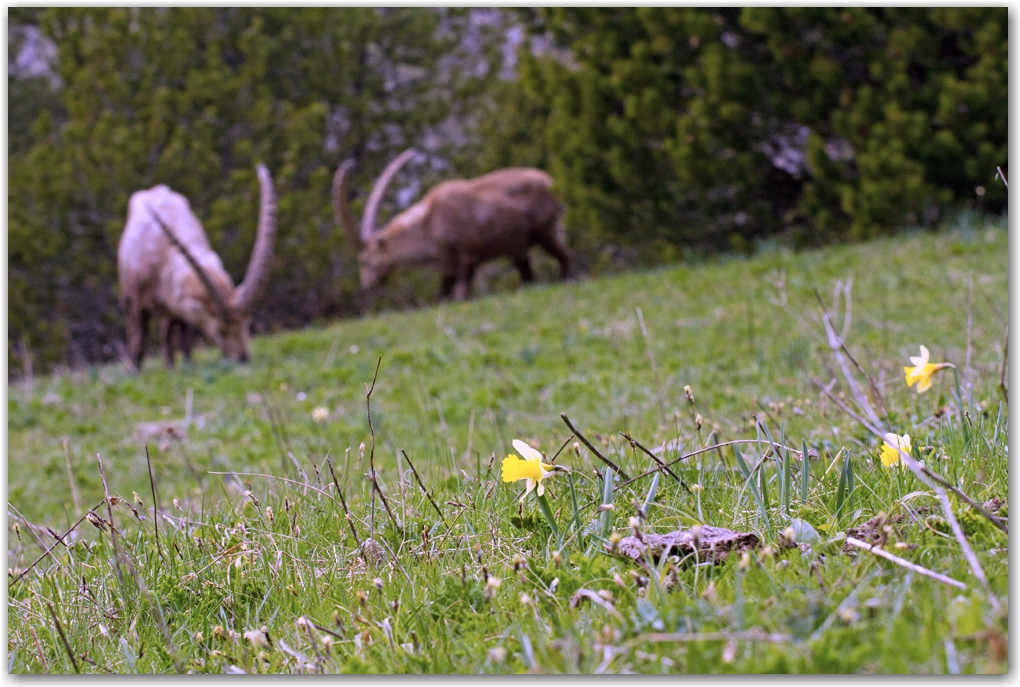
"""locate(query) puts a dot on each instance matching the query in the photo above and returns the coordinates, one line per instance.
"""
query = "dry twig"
(423, 489)
(616, 468)
(882, 553)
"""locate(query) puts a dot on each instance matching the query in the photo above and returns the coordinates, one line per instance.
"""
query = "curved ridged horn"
(221, 303)
(262, 253)
(342, 214)
(375, 198)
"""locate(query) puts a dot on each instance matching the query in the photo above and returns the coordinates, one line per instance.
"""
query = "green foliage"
(663, 125)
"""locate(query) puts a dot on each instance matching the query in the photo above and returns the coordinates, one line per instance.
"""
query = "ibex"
(457, 226)
(168, 271)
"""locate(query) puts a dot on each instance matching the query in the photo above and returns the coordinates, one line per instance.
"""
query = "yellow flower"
(892, 442)
(923, 371)
(529, 467)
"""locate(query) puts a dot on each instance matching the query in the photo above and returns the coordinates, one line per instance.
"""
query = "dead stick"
(423, 489)
(113, 539)
(63, 637)
(634, 442)
(882, 553)
(340, 493)
(155, 501)
(38, 650)
(616, 468)
(371, 451)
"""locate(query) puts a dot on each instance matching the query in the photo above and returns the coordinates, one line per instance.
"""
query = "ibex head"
(377, 253)
(224, 313)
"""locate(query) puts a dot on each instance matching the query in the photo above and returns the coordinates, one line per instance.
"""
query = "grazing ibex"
(169, 271)
(457, 226)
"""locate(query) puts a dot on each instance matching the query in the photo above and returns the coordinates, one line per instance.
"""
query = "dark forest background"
(672, 133)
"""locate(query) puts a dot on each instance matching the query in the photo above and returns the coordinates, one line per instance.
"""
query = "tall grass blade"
(576, 518)
(607, 500)
(845, 482)
(762, 476)
(787, 485)
(651, 494)
(754, 487)
(805, 472)
(547, 512)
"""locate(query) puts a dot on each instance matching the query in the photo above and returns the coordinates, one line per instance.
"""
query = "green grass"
(456, 385)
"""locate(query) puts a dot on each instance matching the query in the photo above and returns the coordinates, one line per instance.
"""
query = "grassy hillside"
(456, 385)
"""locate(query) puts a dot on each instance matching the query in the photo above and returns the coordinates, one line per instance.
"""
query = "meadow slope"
(482, 583)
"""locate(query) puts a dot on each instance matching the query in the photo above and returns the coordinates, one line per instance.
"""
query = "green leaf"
(750, 483)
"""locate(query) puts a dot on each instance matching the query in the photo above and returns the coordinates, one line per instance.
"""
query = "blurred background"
(672, 134)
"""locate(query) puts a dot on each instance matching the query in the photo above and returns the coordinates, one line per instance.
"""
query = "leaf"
(651, 494)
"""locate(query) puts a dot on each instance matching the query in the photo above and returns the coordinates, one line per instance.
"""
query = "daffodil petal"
(525, 451)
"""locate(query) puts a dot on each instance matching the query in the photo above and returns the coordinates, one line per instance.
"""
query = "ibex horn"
(262, 254)
(342, 214)
(375, 198)
(221, 304)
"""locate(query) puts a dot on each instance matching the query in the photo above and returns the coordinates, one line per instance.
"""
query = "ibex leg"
(554, 246)
(465, 276)
(187, 340)
(446, 287)
(137, 321)
(524, 267)
(166, 335)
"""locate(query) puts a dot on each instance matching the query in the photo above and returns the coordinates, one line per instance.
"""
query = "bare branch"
(882, 553)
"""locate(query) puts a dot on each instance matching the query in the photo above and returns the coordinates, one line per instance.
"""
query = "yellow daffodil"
(923, 371)
(890, 452)
(529, 467)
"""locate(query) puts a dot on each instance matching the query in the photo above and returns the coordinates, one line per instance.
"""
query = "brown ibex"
(168, 271)
(457, 226)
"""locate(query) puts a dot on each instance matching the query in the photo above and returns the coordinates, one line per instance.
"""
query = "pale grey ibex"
(168, 271)
(457, 225)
